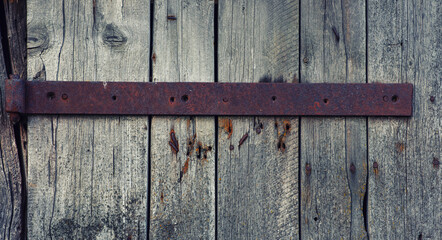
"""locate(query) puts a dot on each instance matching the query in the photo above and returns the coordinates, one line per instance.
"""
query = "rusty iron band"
(209, 99)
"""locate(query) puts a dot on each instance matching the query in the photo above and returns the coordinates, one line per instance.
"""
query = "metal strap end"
(15, 89)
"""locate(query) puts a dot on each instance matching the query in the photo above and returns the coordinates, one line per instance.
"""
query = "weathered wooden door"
(105, 177)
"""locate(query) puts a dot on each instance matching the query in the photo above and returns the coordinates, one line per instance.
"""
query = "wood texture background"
(292, 178)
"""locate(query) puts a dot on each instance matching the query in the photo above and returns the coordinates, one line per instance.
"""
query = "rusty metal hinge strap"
(210, 99)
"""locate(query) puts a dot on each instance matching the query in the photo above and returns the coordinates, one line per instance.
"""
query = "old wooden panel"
(11, 211)
(405, 193)
(88, 175)
(333, 150)
(183, 176)
(258, 157)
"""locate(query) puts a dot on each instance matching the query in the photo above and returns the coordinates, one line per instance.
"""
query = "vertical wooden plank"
(12, 156)
(10, 175)
(258, 157)
(183, 183)
(405, 193)
(15, 14)
(16, 54)
(333, 150)
(88, 175)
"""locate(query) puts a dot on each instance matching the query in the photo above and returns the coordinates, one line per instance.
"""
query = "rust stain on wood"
(281, 144)
(198, 150)
(206, 149)
(201, 151)
(286, 127)
(186, 166)
(190, 145)
(184, 170)
(226, 124)
(400, 146)
(375, 168)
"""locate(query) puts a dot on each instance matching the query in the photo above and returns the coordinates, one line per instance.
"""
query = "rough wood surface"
(11, 211)
(332, 194)
(405, 193)
(183, 183)
(87, 176)
(258, 157)
(15, 14)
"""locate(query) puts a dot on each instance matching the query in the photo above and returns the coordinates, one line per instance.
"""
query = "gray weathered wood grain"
(333, 50)
(88, 175)
(183, 183)
(11, 211)
(405, 193)
(258, 181)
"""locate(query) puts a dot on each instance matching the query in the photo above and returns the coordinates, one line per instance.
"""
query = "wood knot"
(37, 40)
(352, 168)
(113, 37)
